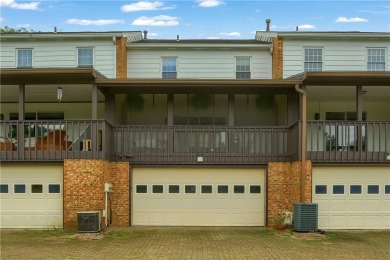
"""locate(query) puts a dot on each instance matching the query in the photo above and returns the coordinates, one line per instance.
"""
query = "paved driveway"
(194, 243)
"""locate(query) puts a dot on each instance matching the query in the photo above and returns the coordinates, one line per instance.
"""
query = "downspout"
(303, 141)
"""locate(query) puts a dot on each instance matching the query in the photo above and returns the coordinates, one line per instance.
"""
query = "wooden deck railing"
(202, 145)
(48, 140)
(348, 141)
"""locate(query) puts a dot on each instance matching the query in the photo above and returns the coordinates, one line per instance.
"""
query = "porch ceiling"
(35, 76)
(184, 86)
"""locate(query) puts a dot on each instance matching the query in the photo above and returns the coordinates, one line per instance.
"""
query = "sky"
(196, 19)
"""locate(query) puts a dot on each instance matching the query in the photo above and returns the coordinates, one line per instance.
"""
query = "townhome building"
(194, 132)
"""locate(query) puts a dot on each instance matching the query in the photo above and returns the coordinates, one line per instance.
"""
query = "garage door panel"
(201, 208)
(355, 211)
(27, 209)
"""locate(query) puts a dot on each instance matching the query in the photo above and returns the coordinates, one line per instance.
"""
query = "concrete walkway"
(194, 243)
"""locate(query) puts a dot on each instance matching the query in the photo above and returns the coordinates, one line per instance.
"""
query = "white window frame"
(93, 57)
(17, 58)
(248, 72)
(307, 62)
(384, 56)
(169, 72)
(25, 188)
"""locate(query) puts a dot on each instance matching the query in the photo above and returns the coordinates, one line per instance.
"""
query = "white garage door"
(352, 197)
(31, 196)
(198, 197)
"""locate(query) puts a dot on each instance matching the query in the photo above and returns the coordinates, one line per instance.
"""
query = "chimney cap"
(145, 34)
(268, 21)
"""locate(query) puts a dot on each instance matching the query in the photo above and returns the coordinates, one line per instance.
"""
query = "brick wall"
(84, 190)
(121, 58)
(277, 58)
(284, 187)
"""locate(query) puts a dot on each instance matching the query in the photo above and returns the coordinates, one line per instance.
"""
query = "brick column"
(84, 190)
(284, 187)
(277, 58)
(121, 58)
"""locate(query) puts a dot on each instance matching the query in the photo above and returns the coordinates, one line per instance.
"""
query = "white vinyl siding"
(376, 59)
(198, 64)
(61, 54)
(338, 55)
(24, 58)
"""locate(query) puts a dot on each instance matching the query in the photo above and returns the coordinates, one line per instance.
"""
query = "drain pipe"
(303, 141)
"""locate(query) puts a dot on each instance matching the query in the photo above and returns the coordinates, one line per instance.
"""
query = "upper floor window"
(376, 59)
(85, 57)
(243, 67)
(313, 60)
(24, 58)
(169, 68)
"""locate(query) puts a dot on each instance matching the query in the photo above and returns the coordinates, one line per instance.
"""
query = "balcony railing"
(203, 145)
(54, 140)
(347, 141)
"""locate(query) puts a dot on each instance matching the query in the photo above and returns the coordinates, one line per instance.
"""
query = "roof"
(35, 76)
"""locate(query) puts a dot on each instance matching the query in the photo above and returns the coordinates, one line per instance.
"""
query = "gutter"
(302, 91)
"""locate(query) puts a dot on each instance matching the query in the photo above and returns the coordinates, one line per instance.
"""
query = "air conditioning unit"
(306, 217)
(88, 221)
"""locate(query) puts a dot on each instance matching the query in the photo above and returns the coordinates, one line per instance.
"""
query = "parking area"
(194, 243)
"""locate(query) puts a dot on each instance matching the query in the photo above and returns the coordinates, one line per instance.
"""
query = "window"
(207, 189)
(313, 60)
(36, 188)
(355, 189)
(174, 189)
(169, 70)
(243, 68)
(54, 188)
(387, 189)
(223, 189)
(239, 189)
(190, 189)
(24, 57)
(338, 189)
(255, 189)
(142, 189)
(320, 189)
(3, 188)
(85, 57)
(158, 188)
(372, 189)
(19, 188)
(376, 59)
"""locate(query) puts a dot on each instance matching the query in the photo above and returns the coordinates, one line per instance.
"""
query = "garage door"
(352, 197)
(31, 196)
(198, 197)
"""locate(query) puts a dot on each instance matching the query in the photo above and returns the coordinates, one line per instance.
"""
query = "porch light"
(59, 94)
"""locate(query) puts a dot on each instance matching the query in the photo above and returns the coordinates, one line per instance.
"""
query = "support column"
(21, 112)
(110, 108)
(359, 103)
(170, 110)
(94, 102)
(231, 109)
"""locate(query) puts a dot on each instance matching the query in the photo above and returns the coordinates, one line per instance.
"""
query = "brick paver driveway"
(194, 243)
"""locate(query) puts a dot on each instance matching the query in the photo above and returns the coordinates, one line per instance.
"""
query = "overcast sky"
(196, 19)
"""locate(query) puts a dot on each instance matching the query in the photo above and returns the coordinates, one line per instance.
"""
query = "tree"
(8, 29)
